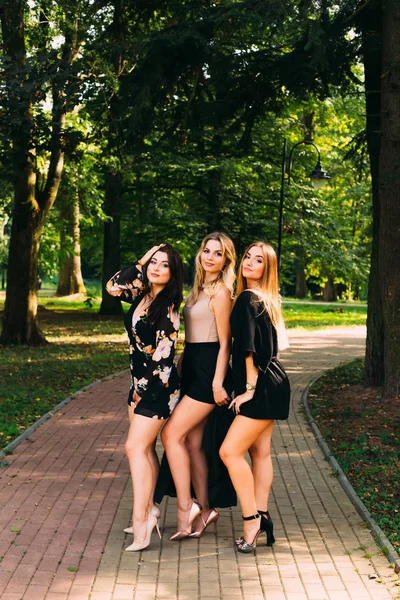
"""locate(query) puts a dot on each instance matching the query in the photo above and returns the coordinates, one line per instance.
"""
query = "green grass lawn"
(317, 316)
(85, 346)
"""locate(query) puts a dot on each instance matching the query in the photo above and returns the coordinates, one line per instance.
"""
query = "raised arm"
(127, 283)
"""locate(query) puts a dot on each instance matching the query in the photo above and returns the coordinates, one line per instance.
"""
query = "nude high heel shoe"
(195, 510)
(156, 512)
(151, 523)
(212, 518)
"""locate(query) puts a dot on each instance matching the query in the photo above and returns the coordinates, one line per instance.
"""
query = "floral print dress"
(151, 349)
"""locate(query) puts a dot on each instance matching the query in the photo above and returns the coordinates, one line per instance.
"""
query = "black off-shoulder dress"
(151, 349)
(253, 331)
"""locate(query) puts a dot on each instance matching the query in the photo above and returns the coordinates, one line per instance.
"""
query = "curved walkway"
(66, 497)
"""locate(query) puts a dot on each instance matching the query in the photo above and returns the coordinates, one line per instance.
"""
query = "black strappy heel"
(267, 526)
(247, 547)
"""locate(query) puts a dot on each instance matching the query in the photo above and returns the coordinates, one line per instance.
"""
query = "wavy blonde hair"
(225, 277)
(268, 289)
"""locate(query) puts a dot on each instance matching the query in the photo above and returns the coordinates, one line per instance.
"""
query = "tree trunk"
(111, 305)
(389, 179)
(70, 279)
(329, 291)
(20, 310)
(301, 284)
(214, 215)
(31, 207)
(214, 178)
(372, 58)
(300, 255)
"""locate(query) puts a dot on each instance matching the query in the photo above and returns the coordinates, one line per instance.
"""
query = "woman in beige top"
(204, 369)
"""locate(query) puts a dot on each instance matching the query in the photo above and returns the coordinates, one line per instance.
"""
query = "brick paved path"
(66, 498)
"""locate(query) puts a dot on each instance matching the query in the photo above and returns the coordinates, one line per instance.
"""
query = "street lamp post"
(318, 177)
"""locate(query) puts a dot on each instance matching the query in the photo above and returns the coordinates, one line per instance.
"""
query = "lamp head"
(319, 177)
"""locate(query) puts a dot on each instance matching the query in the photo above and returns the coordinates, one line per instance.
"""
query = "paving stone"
(78, 502)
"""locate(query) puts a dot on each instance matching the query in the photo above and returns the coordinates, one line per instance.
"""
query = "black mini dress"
(253, 331)
(154, 377)
(201, 352)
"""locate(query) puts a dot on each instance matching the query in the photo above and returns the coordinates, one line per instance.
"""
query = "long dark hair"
(172, 294)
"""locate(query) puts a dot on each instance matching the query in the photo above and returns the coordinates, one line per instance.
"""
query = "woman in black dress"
(153, 287)
(262, 390)
(205, 386)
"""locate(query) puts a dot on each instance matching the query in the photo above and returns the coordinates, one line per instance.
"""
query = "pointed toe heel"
(152, 522)
(195, 510)
(212, 518)
(156, 512)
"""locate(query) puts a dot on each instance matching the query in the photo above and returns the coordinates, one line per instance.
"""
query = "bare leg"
(241, 436)
(152, 457)
(199, 471)
(187, 415)
(141, 436)
(198, 463)
(262, 468)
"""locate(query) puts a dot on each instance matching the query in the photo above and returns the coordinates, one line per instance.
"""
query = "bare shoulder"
(222, 300)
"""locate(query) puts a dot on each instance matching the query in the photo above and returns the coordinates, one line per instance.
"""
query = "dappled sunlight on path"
(66, 498)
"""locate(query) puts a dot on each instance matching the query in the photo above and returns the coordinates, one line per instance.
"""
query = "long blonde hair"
(268, 290)
(225, 277)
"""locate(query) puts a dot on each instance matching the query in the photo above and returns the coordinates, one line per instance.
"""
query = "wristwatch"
(250, 386)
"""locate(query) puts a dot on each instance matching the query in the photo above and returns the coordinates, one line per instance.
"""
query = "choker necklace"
(205, 285)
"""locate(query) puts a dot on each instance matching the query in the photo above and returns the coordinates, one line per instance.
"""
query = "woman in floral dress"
(153, 287)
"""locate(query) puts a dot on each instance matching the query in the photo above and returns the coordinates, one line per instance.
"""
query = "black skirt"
(221, 493)
(198, 369)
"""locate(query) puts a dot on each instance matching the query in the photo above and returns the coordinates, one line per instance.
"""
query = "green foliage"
(361, 429)
(190, 104)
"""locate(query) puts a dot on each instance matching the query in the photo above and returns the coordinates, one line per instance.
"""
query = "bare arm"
(251, 377)
(221, 305)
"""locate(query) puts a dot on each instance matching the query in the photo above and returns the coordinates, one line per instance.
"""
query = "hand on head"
(149, 254)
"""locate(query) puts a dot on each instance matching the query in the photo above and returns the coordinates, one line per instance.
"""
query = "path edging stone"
(362, 510)
(27, 432)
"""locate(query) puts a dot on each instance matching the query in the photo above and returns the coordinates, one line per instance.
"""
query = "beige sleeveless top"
(200, 325)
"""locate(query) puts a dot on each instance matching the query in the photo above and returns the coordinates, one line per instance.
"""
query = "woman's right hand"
(221, 397)
(149, 254)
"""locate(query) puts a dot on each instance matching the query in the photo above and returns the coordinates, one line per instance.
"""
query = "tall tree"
(389, 181)
(34, 71)
(370, 22)
(70, 279)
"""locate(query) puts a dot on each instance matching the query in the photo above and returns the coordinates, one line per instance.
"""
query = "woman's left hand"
(136, 398)
(239, 400)
(221, 397)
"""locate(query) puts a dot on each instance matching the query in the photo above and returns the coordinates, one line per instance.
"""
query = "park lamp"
(319, 177)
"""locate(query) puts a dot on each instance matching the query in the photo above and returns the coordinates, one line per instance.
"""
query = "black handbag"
(277, 381)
